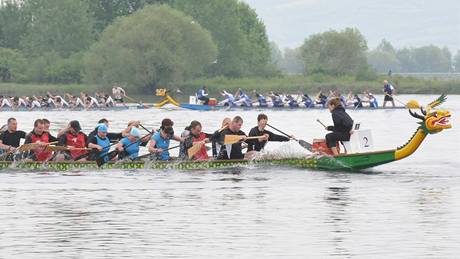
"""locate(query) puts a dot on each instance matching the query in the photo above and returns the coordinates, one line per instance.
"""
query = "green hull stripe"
(350, 162)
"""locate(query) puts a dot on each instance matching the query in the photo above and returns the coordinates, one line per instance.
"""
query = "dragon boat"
(431, 122)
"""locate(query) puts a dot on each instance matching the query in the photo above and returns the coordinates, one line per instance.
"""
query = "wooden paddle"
(301, 142)
(32, 146)
(232, 139)
(194, 149)
(64, 148)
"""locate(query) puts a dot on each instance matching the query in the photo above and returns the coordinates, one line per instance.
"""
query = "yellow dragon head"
(433, 121)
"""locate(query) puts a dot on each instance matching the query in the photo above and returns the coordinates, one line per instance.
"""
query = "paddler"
(372, 101)
(73, 138)
(202, 95)
(129, 146)
(232, 151)
(46, 124)
(197, 137)
(113, 137)
(307, 101)
(216, 146)
(242, 99)
(321, 99)
(229, 99)
(118, 93)
(100, 142)
(343, 125)
(159, 142)
(388, 91)
(42, 138)
(259, 130)
(11, 138)
(261, 99)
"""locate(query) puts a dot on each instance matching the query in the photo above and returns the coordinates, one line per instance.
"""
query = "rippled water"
(410, 208)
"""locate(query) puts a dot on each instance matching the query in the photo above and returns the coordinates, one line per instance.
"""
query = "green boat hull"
(345, 162)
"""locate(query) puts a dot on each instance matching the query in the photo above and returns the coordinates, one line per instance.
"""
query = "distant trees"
(105, 12)
(242, 42)
(335, 53)
(456, 63)
(156, 45)
(66, 41)
(422, 59)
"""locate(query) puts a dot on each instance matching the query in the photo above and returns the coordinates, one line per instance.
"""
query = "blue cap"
(135, 132)
(102, 128)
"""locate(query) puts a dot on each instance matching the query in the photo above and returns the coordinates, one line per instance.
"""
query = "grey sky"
(403, 22)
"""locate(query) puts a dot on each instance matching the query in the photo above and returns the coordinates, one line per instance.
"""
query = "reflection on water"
(407, 209)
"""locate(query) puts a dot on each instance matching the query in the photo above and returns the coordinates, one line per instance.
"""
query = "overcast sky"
(403, 22)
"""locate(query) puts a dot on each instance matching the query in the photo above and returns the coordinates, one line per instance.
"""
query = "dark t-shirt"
(255, 144)
(236, 149)
(13, 139)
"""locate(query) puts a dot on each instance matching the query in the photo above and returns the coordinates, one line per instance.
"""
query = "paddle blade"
(306, 145)
(194, 149)
(100, 161)
(232, 139)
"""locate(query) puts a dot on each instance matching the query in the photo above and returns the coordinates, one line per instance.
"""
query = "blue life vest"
(105, 144)
(308, 102)
(292, 103)
(277, 102)
(373, 102)
(262, 100)
(163, 144)
(131, 148)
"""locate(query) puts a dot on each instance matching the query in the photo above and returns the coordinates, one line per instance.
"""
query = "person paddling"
(216, 146)
(129, 146)
(232, 151)
(202, 95)
(73, 138)
(197, 137)
(100, 142)
(11, 138)
(343, 125)
(43, 138)
(159, 142)
(259, 130)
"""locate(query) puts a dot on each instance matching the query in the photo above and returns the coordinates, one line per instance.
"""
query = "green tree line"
(136, 42)
(146, 43)
(346, 52)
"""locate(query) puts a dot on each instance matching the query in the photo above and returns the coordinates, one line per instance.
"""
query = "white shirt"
(79, 102)
(109, 101)
(5, 102)
(93, 102)
(22, 102)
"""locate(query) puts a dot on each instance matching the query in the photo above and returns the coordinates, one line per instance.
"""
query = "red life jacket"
(41, 155)
(78, 141)
(202, 154)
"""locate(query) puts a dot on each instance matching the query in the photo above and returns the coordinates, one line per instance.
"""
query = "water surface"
(409, 208)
